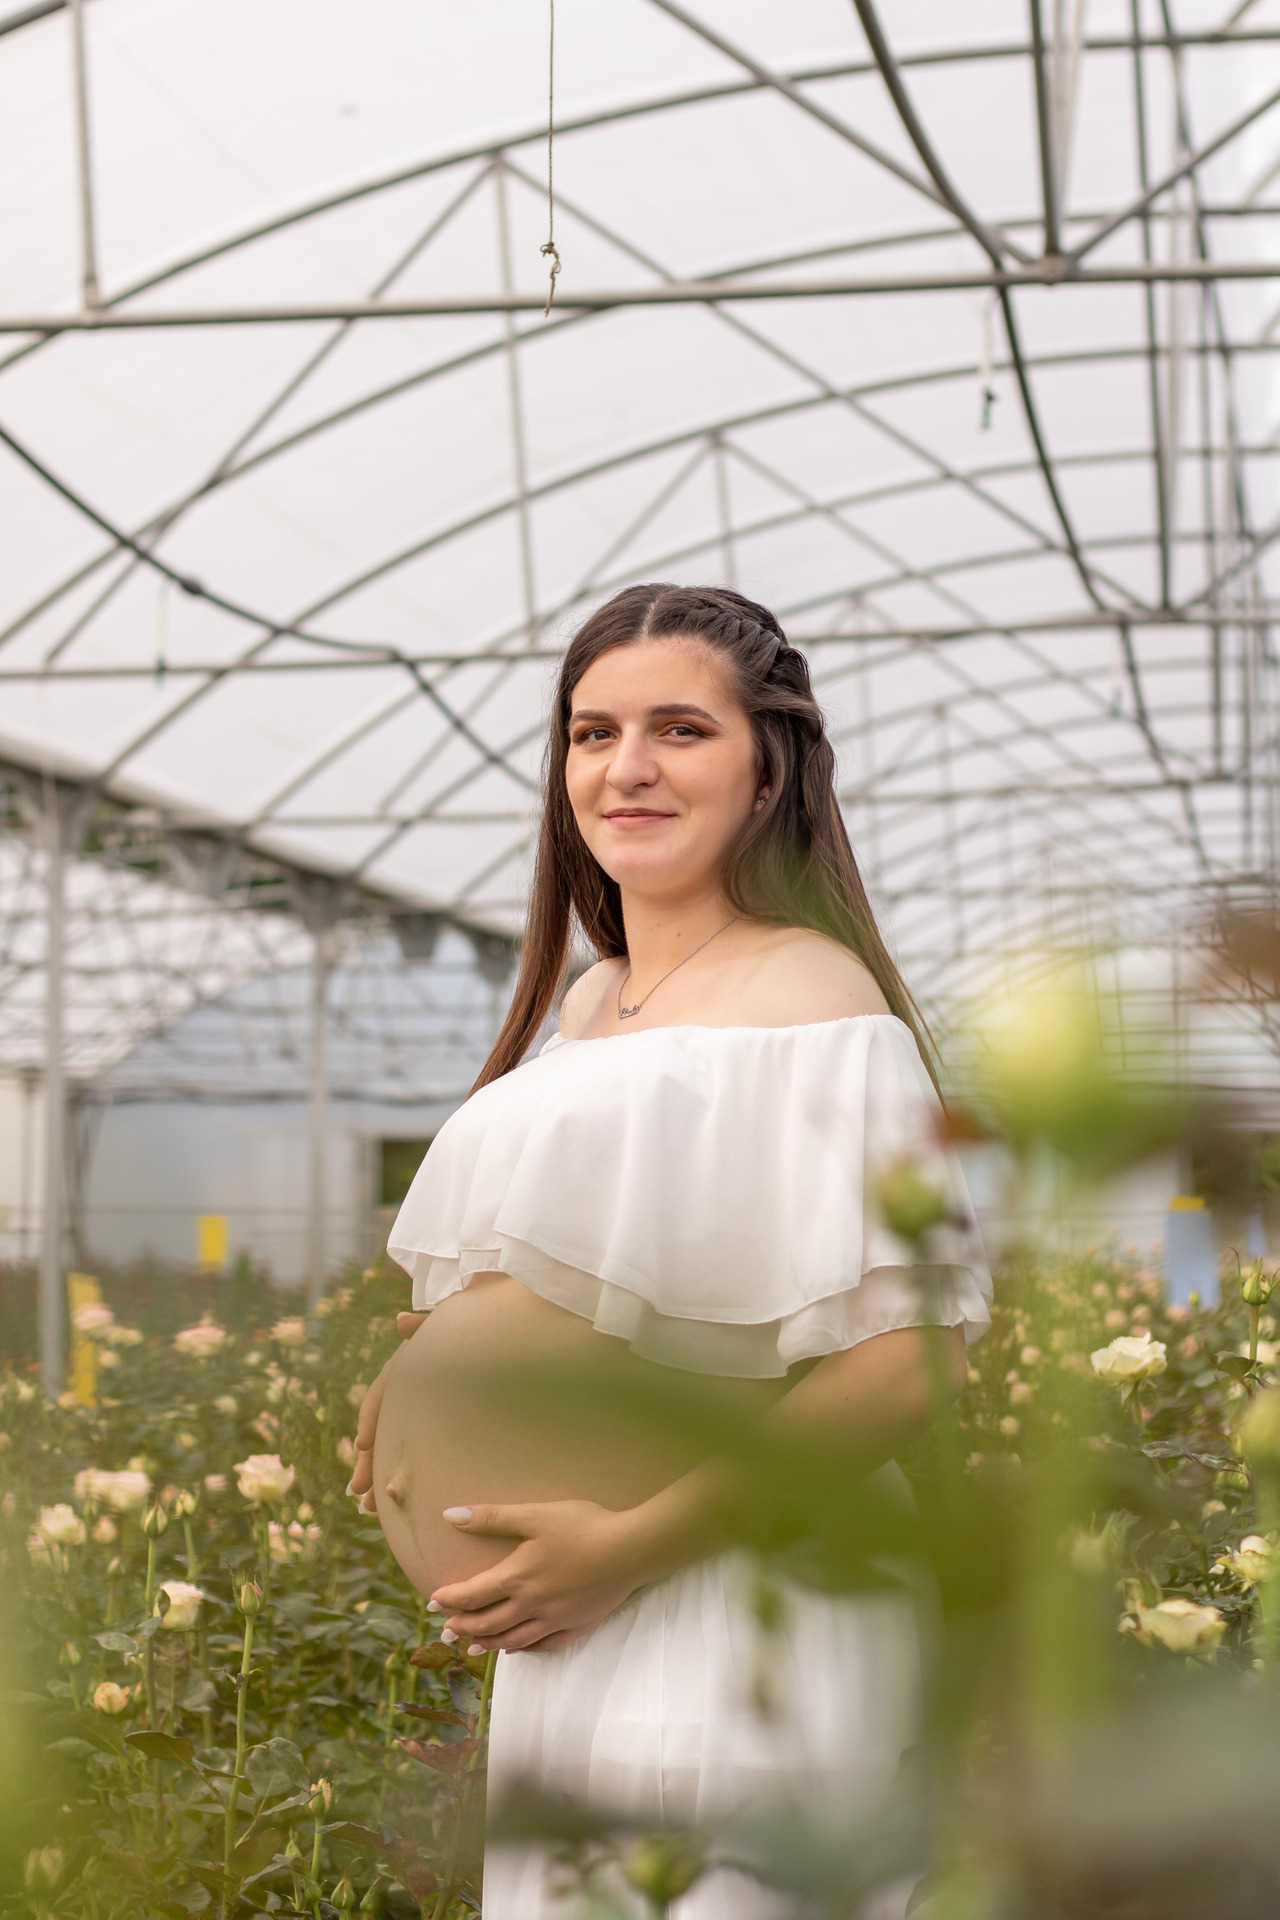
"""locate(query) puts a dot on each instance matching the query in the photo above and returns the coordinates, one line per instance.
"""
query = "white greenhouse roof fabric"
(958, 350)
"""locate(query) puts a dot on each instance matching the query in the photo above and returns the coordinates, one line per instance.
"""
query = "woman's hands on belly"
(439, 1443)
(574, 1564)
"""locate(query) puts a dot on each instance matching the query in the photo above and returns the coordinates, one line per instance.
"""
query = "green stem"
(193, 1563)
(265, 1551)
(1269, 1586)
(206, 1715)
(1255, 1314)
(149, 1677)
(242, 1695)
(315, 1870)
(150, 1599)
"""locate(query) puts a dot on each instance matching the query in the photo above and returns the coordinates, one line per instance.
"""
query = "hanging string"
(549, 249)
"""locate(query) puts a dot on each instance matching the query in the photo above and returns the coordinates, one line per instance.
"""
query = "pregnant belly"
(444, 1442)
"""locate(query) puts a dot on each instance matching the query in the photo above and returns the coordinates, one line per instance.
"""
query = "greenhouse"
(351, 358)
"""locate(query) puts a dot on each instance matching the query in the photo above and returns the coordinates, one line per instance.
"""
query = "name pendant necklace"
(629, 1013)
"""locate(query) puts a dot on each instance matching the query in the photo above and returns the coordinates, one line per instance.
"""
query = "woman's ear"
(761, 797)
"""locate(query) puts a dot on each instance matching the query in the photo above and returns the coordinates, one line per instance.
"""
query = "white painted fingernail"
(351, 1488)
(477, 1646)
(448, 1635)
(433, 1606)
(458, 1515)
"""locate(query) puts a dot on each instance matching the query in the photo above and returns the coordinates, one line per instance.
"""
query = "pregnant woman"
(682, 1177)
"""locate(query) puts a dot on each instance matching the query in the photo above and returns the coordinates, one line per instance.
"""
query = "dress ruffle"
(705, 1193)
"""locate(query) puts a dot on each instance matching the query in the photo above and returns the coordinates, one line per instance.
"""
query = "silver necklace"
(629, 1013)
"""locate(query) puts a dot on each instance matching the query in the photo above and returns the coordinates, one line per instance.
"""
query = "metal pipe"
(28, 1078)
(1171, 179)
(1044, 121)
(678, 294)
(84, 159)
(318, 1120)
(516, 402)
(50, 1332)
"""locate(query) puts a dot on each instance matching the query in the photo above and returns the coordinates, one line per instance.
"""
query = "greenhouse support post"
(322, 957)
(51, 1340)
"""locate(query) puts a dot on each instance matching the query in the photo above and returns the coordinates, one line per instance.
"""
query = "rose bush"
(136, 1716)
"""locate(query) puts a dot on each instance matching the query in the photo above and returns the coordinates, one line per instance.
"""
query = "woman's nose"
(633, 764)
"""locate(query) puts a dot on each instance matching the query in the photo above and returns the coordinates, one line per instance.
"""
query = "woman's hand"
(361, 1483)
(574, 1564)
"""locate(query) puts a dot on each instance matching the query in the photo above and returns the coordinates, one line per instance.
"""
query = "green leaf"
(115, 1642)
(276, 1767)
(73, 1747)
(352, 1834)
(1234, 1364)
(255, 1852)
(163, 1746)
(200, 1693)
(107, 1736)
(212, 1878)
(192, 1898)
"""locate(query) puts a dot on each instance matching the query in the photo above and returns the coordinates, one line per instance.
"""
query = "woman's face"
(662, 768)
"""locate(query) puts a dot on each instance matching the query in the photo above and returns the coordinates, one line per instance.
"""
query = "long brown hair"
(791, 864)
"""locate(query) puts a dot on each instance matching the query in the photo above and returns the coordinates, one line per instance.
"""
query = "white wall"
(153, 1168)
(21, 1167)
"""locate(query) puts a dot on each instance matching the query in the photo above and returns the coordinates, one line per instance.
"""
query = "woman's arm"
(576, 1561)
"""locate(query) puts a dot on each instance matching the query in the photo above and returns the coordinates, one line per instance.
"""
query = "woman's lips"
(629, 821)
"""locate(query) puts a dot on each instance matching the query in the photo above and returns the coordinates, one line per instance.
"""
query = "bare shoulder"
(583, 1000)
(801, 977)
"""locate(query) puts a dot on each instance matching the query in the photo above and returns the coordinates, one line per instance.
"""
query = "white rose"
(105, 1531)
(127, 1336)
(226, 1403)
(290, 1333)
(356, 1392)
(1268, 1351)
(202, 1340)
(24, 1391)
(1181, 1625)
(346, 1450)
(215, 1483)
(108, 1357)
(263, 1479)
(125, 1491)
(1135, 1356)
(61, 1526)
(303, 1541)
(184, 1605)
(110, 1698)
(1256, 1558)
(94, 1320)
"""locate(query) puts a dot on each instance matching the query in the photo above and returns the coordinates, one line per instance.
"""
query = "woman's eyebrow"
(651, 713)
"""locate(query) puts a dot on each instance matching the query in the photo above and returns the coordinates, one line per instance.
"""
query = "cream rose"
(61, 1526)
(290, 1333)
(263, 1479)
(184, 1605)
(202, 1340)
(1134, 1357)
(110, 1698)
(94, 1321)
(125, 1491)
(1256, 1558)
(1182, 1626)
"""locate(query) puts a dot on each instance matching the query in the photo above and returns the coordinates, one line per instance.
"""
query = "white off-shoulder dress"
(707, 1195)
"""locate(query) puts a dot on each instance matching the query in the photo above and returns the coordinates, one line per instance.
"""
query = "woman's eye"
(684, 732)
(590, 733)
